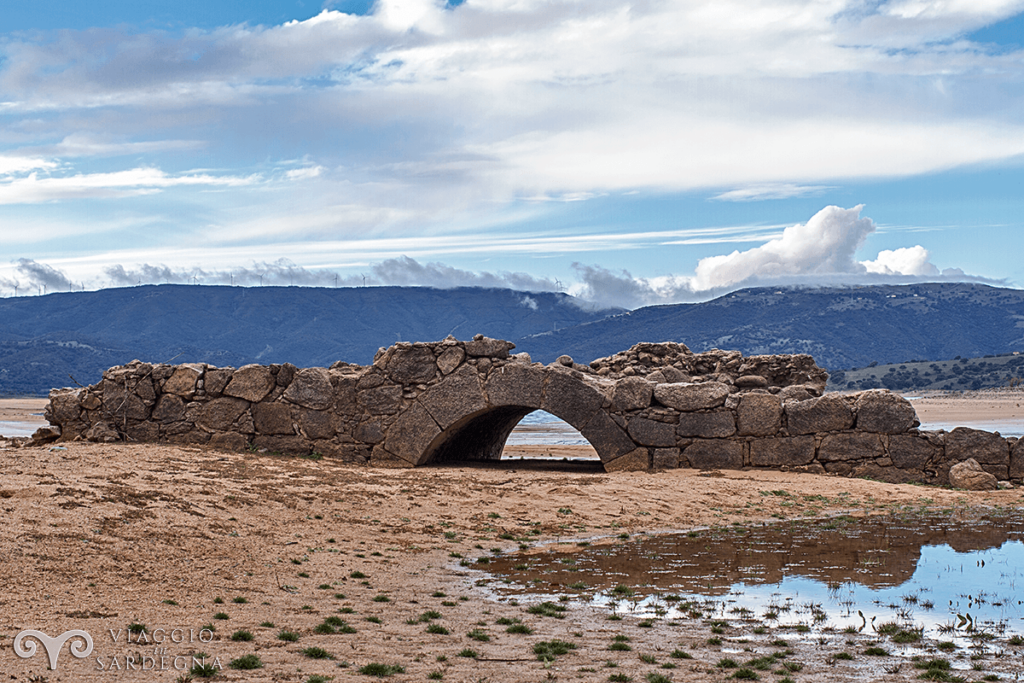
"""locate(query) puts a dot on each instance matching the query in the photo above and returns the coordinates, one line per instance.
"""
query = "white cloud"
(902, 261)
(138, 181)
(773, 191)
(10, 165)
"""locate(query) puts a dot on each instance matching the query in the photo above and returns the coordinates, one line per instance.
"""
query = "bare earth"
(97, 537)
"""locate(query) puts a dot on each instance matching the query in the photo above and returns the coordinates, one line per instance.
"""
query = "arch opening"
(482, 437)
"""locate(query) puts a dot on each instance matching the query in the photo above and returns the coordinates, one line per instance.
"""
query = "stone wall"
(655, 405)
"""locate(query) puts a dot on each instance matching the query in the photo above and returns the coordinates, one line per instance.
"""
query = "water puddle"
(947, 577)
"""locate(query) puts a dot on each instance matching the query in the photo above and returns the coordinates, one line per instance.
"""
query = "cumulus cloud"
(820, 252)
(34, 277)
(902, 261)
(824, 245)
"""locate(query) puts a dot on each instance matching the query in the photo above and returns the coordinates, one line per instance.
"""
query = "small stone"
(969, 476)
(564, 360)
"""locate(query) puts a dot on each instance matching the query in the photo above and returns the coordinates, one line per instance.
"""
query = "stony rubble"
(655, 405)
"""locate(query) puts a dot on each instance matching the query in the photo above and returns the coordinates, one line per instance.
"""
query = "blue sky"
(627, 152)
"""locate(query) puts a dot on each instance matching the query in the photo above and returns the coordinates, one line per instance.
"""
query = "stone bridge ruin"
(653, 406)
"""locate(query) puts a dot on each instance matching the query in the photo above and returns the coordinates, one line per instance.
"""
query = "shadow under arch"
(479, 437)
(468, 418)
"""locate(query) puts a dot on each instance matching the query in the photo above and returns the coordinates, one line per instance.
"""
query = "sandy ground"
(98, 537)
(994, 408)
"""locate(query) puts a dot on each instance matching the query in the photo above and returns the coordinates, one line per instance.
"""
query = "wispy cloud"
(820, 251)
(137, 181)
(776, 191)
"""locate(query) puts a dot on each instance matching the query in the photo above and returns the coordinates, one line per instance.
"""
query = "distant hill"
(958, 374)
(43, 339)
(842, 327)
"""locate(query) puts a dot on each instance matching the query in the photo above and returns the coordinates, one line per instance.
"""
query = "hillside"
(44, 339)
(842, 327)
(958, 374)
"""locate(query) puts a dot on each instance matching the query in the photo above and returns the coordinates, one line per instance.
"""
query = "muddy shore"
(99, 537)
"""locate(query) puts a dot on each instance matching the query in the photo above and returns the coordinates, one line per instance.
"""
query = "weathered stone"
(411, 434)
(143, 388)
(285, 375)
(457, 395)
(690, 397)
(102, 432)
(193, 437)
(650, 433)
(751, 382)
(272, 418)
(796, 393)
(912, 452)
(970, 476)
(850, 446)
(636, 460)
(880, 410)
(142, 432)
(717, 424)
(607, 438)
(413, 365)
(711, 454)
(565, 360)
(228, 441)
(381, 400)
(570, 399)
(369, 431)
(250, 382)
(66, 405)
(221, 413)
(183, 381)
(1017, 460)
(985, 448)
(665, 458)
(891, 475)
(494, 348)
(170, 408)
(311, 388)
(346, 452)
(216, 379)
(282, 443)
(784, 451)
(632, 393)
(91, 401)
(516, 385)
(830, 413)
(119, 404)
(758, 415)
(450, 359)
(370, 380)
(381, 457)
(44, 435)
(316, 424)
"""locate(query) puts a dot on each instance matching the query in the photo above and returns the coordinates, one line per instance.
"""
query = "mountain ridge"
(45, 339)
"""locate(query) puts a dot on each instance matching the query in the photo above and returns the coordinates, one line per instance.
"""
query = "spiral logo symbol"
(53, 646)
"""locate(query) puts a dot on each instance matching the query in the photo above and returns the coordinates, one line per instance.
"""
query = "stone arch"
(465, 417)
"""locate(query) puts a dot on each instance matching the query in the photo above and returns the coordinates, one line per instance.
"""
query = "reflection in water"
(842, 573)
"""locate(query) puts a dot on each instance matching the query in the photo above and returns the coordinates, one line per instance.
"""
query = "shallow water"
(543, 428)
(19, 428)
(953, 576)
